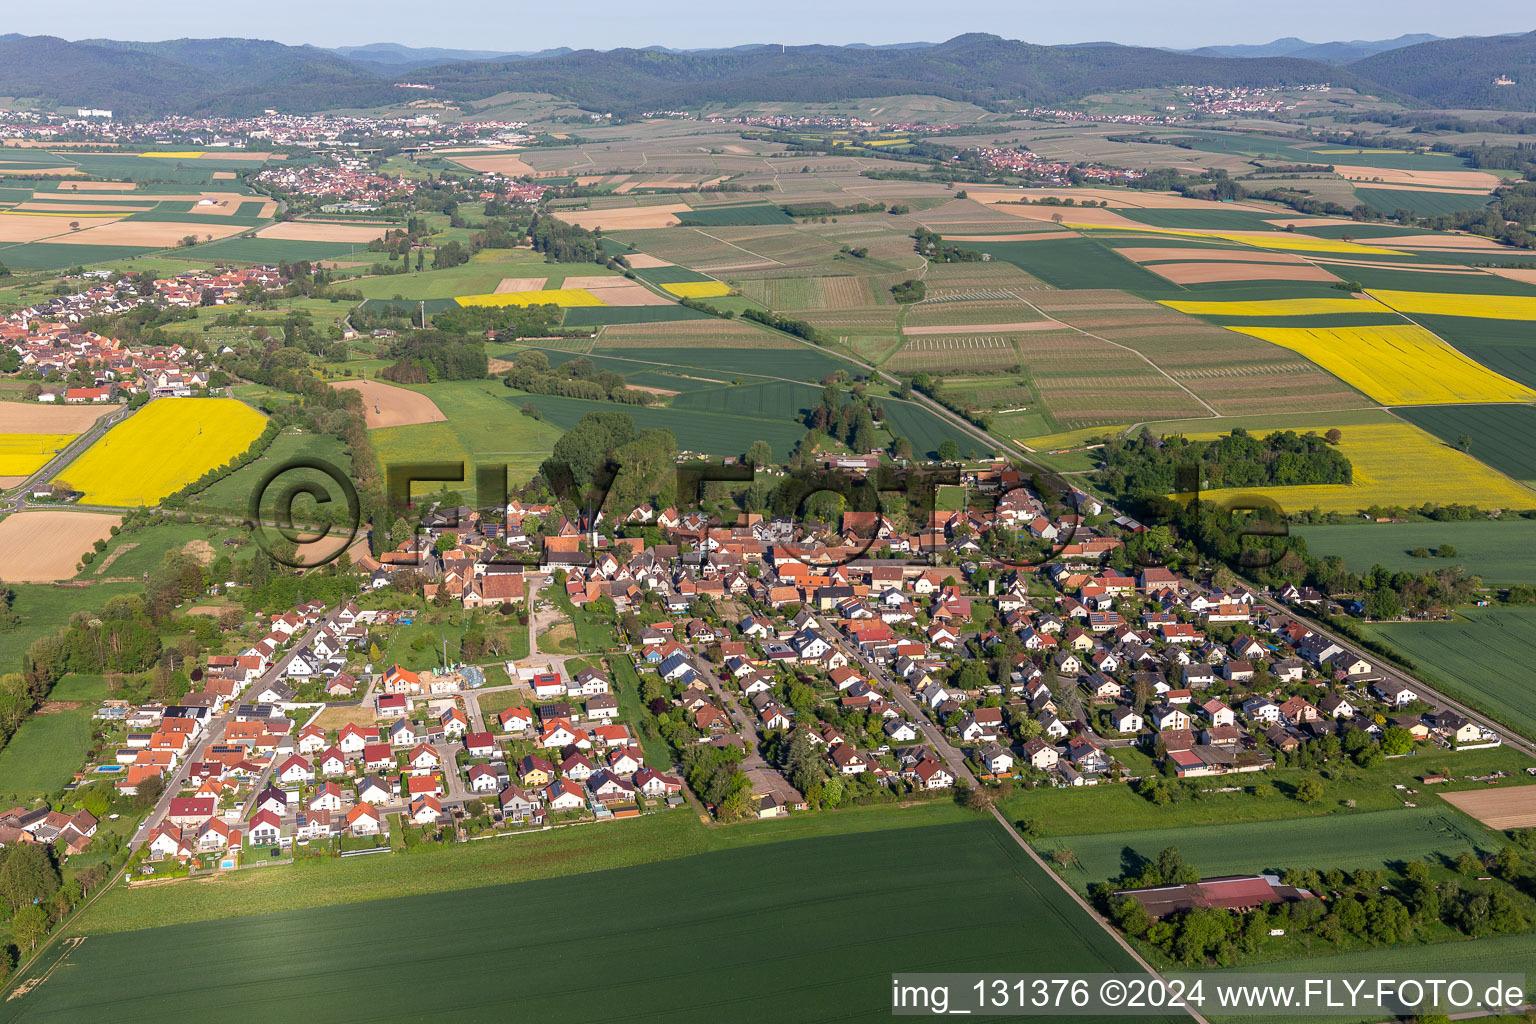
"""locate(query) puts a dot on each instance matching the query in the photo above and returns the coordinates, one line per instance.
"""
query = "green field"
(742, 213)
(1074, 263)
(45, 752)
(773, 400)
(689, 939)
(1420, 204)
(1484, 657)
(1503, 436)
(57, 255)
(707, 432)
(44, 610)
(802, 363)
(234, 491)
(484, 425)
(598, 316)
(266, 250)
(1374, 840)
(1500, 552)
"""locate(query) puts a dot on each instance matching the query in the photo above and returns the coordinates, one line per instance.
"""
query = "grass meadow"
(44, 754)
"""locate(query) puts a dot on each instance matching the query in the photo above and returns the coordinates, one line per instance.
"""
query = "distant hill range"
(244, 76)
(1328, 53)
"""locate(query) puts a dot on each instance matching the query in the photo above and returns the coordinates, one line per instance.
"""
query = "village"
(818, 675)
(51, 345)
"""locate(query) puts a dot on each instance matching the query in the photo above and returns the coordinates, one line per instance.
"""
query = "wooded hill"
(246, 76)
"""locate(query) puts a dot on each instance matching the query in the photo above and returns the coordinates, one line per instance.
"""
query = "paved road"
(213, 733)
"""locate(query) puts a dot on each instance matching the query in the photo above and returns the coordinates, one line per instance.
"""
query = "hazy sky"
(604, 24)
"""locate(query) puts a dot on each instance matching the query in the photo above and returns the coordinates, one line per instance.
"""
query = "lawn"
(1483, 657)
(1500, 552)
(45, 752)
(1372, 840)
(691, 938)
(161, 448)
(626, 686)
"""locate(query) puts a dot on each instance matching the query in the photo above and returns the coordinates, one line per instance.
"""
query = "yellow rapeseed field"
(23, 454)
(162, 448)
(1396, 464)
(1277, 307)
(182, 154)
(698, 289)
(1400, 364)
(1263, 239)
(1068, 438)
(1489, 307)
(553, 296)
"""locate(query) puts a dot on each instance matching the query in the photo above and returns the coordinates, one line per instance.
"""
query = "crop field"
(1483, 657)
(1503, 436)
(21, 454)
(1486, 307)
(259, 250)
(1421, 204)
(1396, 364)
(44, 754)
(1399, 464)
(1504, 346)
(773, 400)
(43, 545)
(162, 447)
(1224, 309)
(954, 352)
(698, 289)
(710, 433)
(1073, 263)
(802, 293)
(1501, 809)
(600, 316)
(1084, 381)
(720, 361)
(1234, 375)
(1500, 552)
(562, 297)
(702, 333)
(386, 405)
(701, 904)
(1347, 841)
(741, 213)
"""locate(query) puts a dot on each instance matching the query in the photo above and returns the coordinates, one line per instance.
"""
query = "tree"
(1396, 740)
(30, 926)
(1464, 442)
(1334, 435)
(949, 451)
(760, 454)
(1309, 791)
(28, 875)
